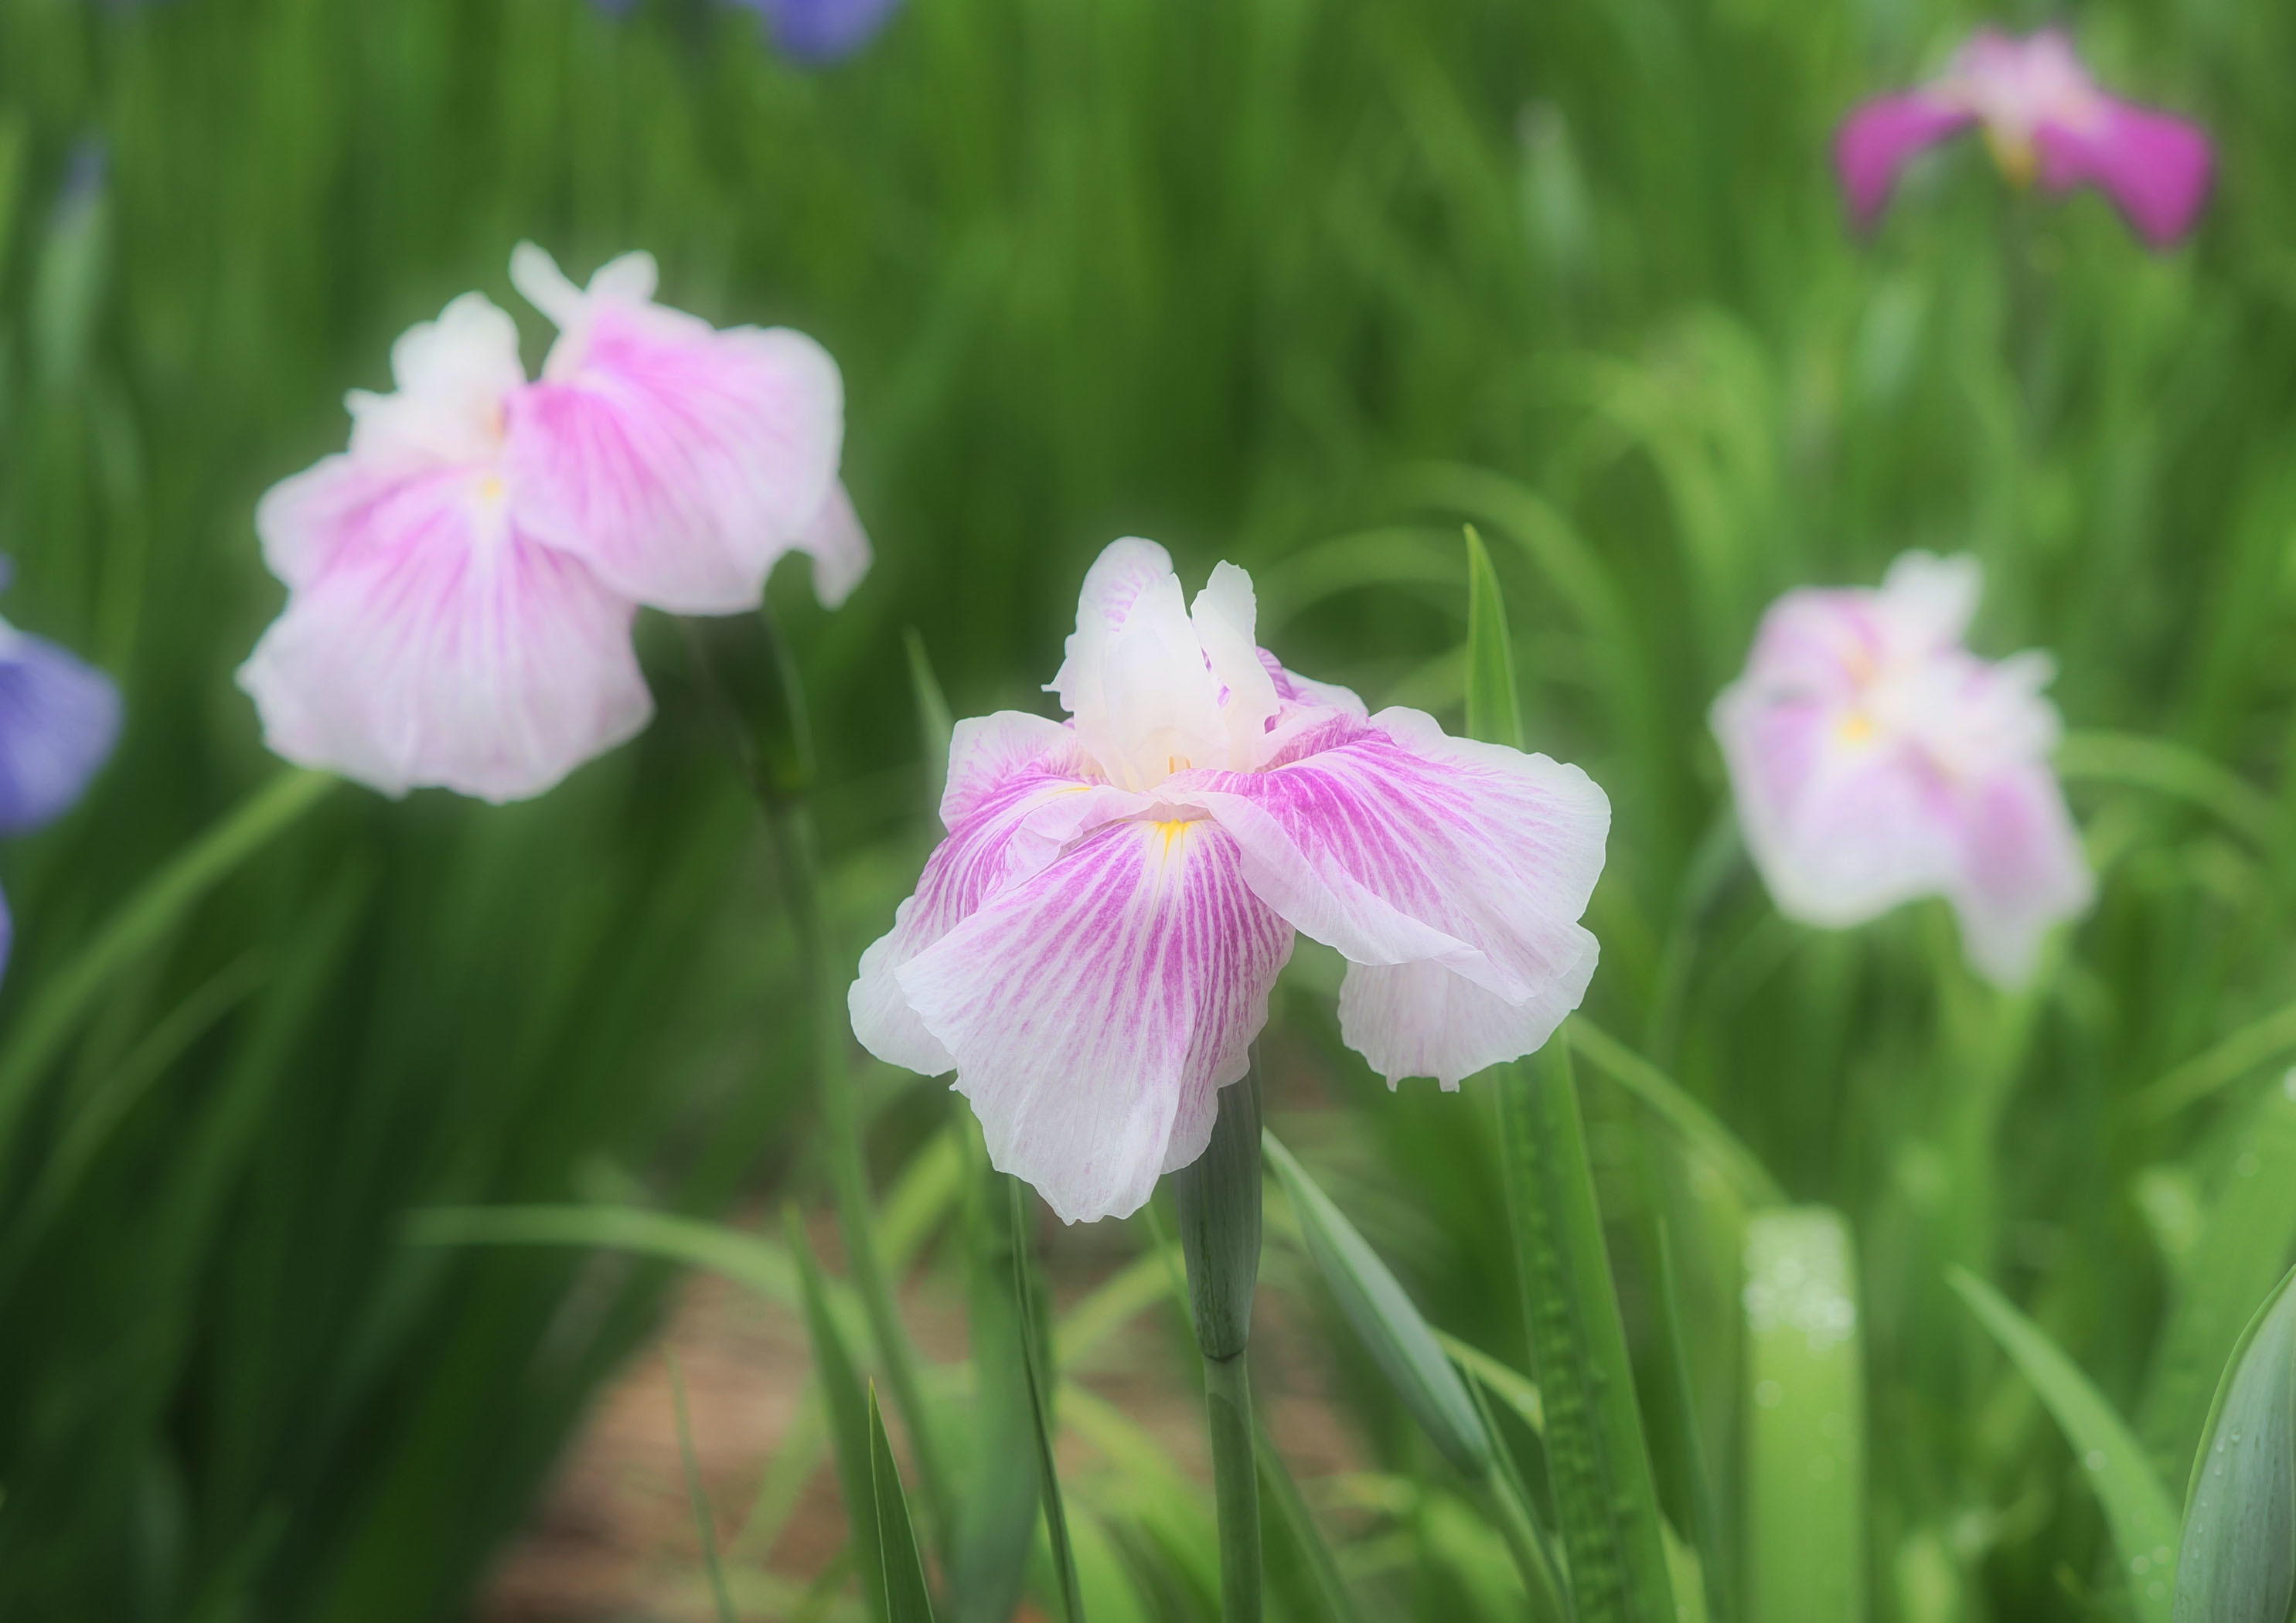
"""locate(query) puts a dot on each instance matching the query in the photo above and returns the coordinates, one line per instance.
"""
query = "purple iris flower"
(822, 30)
(59, 718)
(2045, 119)
(814, 31)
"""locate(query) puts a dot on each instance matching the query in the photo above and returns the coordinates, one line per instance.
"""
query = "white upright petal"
(1094, 1009)
(453, 375)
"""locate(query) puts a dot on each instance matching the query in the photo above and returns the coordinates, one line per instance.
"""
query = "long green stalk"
(1218, 1199)
(745, 662)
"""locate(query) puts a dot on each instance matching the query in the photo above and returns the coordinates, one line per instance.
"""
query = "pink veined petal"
(1096, 1010)
(438, 646)
(839, 547)
(677, 461)
(1400, 845)
(1019, 790)
(1878, 138)
(2157, 168)
(1841, 832)
(1295, 690)
(2021, 870)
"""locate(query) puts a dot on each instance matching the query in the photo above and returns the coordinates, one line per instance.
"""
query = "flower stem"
(1235, 1483)
(747, 667)
(1219, 1198)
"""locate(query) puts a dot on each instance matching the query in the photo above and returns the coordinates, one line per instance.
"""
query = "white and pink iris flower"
(1875, 759)
(2045, 118)
(461, 583)
(1091, 947)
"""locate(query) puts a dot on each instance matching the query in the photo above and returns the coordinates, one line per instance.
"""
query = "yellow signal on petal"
(2016, 156)
(1855, 728)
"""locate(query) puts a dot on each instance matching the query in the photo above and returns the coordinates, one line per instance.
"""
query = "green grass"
(1305, 284)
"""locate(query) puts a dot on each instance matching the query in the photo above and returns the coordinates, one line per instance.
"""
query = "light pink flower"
(1091, 948)
(461, 582)
(1875, 759)
(2045, 118)
(677, 461)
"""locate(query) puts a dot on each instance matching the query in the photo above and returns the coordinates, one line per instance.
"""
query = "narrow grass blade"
(1510, 1386)
(1494, 702)
(907, 1600)
(849, 1418)
(1113, 1304)
(1034, 1360)
(1506, 1500)
(2245, 1243)
(2218, 1066)
(999, 1492)
(2138, 1510)
(1604, 1498)
(705, 1523)
(1392, 1330)
(1299, 1564)
(1805, 1469)
(757, 1264)
(2238, 1561)
(933, 720)
(2167, 768)
(54, 1013)
(1701, 1132)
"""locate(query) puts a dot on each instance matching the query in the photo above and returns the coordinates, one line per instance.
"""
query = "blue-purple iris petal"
(822, 30)
(59, 718)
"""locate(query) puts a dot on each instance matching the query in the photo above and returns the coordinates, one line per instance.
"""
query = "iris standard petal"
(440, 646)
(1019, 790)
(1094, 1009)
(59, 720)
(2156, 168)
(1399, 845)
(1878, 139)
(679, 461)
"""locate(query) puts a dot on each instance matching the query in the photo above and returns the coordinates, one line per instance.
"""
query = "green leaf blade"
(2237, 1562)
(1605, 1498)
(2137, 1509)
(1805, 1495)
(1384, 1316)
(1494, 703)
(908, 1599)
(849, 1406)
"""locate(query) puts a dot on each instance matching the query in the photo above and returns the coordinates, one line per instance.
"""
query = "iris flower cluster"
(462, 581)
(1091, 949)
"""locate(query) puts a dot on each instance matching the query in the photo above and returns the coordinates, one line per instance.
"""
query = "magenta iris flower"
(461, 582)
(1091, 947)
(1875, 759)
(2044, 118)
(59, 719)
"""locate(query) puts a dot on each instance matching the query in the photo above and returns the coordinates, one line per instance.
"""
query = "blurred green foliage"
(1304, 283)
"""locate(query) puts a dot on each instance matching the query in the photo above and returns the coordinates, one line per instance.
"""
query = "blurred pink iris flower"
(461, 582)
(1091, 947)
(2045, 118)
(1875, 759)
